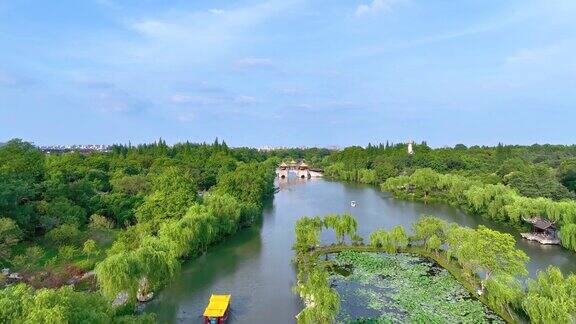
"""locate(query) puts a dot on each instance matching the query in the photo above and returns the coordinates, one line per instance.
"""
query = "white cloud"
(186, 116)
(107, 3)
(294, 92)
(15, 80)
(377, 6)
(216, 11)
(532, 55)
(246, 100)
(177, 98)
(205, 101)
(249, 63)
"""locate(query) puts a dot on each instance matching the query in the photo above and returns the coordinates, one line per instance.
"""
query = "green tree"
(67, 252)
(425, 180)
(567, 174)
(551, 298)
(322, 303)
(100, 222)
(427, 226)
(493, 253)
(62, 211)
(568, 236)
(10, 235)
(174, 191)
(307, 233)
(64, 234)
(433, 243)
(504, 292)
(398, 237)
(538, 181)
(90, 248)
(342, 225)
(384, 171)
(29, 258)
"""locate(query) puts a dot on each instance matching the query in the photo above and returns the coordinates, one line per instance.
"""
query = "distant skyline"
(288, 72)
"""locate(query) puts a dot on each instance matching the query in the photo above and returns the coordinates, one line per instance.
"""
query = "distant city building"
(268, 148)
(82, 148)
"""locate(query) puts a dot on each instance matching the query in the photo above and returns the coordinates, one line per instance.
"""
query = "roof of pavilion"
(540, 223)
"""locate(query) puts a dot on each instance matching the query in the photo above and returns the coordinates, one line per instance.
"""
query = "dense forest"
(130, 215)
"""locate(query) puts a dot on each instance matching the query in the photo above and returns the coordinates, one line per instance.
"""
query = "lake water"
(255, 265)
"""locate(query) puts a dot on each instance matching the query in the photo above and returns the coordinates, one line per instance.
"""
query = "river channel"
(255, 265)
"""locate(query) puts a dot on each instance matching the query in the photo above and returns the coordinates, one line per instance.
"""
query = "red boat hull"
(219, 320)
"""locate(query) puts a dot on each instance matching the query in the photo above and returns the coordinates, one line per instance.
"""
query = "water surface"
(255, 265)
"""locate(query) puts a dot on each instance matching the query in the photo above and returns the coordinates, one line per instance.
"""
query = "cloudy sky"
(288, 72)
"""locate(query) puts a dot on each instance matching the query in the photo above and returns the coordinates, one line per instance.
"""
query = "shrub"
(67, 252)
(85, 265)
(100, 222)
(29, 258)
(64, 234)
(90, 248)
(10, 234)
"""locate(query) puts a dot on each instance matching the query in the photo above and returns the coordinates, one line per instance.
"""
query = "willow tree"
(568, 236)
(322, 303)
(381, 239)
(504, 292)
(425, 180)
(456, 236)
(118, 273)
(427, 226)
(349, 225)
(307, 233)
(490, 200)
(342, 225)
(398, 237)
(155, 260)
(433, 243)
(226, 209)
(551, 298)
(493, 253)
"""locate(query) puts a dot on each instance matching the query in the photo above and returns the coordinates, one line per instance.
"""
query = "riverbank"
(255, 264)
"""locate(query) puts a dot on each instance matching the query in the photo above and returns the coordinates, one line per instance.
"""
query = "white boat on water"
(353, 203)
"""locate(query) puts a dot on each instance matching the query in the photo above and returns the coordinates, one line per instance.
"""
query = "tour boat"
(353, 203)
(217, 310)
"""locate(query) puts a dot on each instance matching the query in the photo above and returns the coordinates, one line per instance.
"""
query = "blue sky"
(288, 72)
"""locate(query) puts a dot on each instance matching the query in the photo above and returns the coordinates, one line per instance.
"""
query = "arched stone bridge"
(301, 169)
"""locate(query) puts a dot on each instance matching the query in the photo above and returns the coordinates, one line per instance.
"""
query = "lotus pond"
(400, 288)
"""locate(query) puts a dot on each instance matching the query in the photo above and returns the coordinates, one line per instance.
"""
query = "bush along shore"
(484, 262)
(493, 201)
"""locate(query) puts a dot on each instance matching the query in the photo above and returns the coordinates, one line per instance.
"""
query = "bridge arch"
(301, 169)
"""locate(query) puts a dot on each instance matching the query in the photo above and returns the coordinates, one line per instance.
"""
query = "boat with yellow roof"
(217, 310)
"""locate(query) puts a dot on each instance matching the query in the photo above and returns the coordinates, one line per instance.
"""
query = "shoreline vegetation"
(505, 183)
(80, 230)
(484, 261)
(495, 202)
(151, 206)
